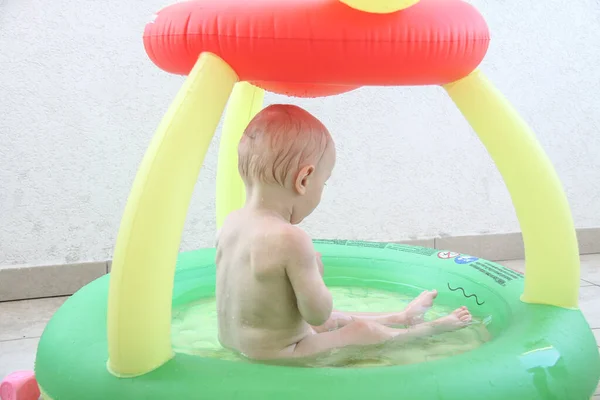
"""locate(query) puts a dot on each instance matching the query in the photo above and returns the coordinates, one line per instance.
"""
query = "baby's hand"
(320, 263)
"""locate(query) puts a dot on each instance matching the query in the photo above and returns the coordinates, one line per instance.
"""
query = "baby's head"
(286, 147)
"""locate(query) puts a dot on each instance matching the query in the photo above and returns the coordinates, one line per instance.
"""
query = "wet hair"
(279, 141)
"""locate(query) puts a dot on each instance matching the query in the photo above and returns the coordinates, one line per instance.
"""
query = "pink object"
(20, 385)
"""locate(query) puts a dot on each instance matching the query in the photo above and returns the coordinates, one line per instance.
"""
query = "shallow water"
(194, 331)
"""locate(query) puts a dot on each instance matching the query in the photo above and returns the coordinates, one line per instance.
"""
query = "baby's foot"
(458, 319)
(418, 307)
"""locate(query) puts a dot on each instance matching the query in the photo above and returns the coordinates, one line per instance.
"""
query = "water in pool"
(194, 331)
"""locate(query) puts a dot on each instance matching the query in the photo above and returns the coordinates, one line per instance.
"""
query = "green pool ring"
(537, 351)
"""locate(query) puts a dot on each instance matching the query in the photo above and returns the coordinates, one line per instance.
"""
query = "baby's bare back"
(257, 310)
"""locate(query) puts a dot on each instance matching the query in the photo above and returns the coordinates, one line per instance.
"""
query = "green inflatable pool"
(537, 351)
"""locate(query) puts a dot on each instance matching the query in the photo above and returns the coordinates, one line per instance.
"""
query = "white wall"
(80, 101)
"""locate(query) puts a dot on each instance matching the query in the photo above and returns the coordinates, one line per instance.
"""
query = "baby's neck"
(271, 199)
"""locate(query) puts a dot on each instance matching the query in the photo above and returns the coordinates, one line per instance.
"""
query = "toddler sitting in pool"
(272, 302)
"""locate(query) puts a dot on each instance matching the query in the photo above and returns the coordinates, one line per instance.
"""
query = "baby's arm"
(314, 300)
(320, 264)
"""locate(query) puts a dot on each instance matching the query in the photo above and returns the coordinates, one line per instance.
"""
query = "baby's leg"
(411, 315)
(364, 333)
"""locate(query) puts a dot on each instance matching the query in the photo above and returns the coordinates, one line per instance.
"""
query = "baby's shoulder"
(284, 241)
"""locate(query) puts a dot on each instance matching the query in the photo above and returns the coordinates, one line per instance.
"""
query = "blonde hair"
(279, 141)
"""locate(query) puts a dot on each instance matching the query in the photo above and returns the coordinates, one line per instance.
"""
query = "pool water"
(194, 331)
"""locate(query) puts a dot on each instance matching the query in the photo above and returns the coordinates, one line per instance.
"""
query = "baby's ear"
(302, 179)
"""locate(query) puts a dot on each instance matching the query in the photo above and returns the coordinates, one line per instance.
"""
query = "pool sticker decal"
(422, 251)
(447, 255)
(465, 294)
(354, 243)
(405, 248)
(499, 274)
(464, 259)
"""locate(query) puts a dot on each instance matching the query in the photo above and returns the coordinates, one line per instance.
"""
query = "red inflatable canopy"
(321, 47)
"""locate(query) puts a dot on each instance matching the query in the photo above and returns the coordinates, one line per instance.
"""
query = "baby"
(272, 302)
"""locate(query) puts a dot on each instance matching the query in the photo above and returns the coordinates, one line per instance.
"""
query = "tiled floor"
(22, 322)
